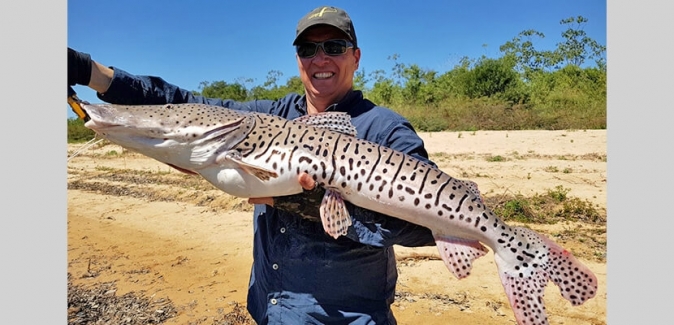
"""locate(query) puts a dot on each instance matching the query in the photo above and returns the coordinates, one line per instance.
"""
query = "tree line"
(523, 88)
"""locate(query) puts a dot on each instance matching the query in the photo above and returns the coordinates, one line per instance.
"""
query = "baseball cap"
(327, 15)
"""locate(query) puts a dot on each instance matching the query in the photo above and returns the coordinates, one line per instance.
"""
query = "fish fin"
(186, 171)
(334, 121)
(576, 282)
(459, 254)
(234, 157)
(525, 295)
(524, 278)
(334, 215)
(221, 138)
(472, 188)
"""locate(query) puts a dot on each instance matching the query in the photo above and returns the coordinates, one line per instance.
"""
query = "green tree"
(521, 49)
(577, 47)
(224, 90)
(383, 90)
(295, 85)
(360, 80)
(491, 77)
(77, 132)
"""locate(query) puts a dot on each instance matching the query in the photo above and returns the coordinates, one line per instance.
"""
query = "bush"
(77, 132)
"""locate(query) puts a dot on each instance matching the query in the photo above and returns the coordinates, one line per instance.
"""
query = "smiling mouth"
(323, 75)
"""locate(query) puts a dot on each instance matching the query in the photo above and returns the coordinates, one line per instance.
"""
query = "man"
(300, 275)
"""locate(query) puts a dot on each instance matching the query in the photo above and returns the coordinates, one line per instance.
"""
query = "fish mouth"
(98, 125)
(97, 117)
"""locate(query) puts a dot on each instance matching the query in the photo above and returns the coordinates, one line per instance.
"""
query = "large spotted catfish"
(258, 155)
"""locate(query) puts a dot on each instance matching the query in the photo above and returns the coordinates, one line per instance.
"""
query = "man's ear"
(356, 55)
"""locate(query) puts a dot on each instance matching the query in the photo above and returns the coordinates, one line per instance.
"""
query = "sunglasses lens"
(330, 47)
(307, 50)
(334, 47)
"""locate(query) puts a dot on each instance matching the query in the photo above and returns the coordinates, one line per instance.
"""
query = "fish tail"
(525, 295)
(524, 279)
(576, 281)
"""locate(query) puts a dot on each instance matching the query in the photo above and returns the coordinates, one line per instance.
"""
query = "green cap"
(327, 15)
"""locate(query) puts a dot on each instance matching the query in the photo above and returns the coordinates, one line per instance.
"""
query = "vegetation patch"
(548, 208)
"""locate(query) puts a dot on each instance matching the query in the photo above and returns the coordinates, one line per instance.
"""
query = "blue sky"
(189, 42)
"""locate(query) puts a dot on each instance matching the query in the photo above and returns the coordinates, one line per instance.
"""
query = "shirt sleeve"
(129, 89)
(380, 230)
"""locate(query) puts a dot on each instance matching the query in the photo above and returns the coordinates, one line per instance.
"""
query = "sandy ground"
(155, 231)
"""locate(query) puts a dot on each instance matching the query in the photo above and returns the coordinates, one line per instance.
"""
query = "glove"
(305, 204)
(79, 68)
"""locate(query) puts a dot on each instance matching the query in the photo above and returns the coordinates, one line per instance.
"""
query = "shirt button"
(283, 230)
(273, 301)
(274, 266)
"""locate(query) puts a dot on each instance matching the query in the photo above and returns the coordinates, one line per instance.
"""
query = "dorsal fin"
(333, 121)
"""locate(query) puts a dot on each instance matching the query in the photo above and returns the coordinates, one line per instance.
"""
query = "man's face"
(327, 78)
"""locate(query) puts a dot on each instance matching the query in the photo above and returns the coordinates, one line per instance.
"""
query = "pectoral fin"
(334, 215)
(235, 158)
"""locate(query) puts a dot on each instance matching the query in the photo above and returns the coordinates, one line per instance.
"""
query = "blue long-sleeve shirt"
(301, 275)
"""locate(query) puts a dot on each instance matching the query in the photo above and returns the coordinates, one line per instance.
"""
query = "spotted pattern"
(367, 174)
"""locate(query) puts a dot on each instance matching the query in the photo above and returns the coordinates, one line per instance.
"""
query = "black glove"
(79, 68)
(306, 204)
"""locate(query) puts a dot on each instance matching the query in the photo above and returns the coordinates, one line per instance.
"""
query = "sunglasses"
(333, 47)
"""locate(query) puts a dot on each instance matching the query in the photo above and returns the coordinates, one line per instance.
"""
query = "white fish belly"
(239, 183)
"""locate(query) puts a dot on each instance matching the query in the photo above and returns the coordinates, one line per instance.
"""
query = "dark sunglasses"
(332, 47)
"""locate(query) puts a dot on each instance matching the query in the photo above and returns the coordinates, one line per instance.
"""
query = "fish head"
(185, 136)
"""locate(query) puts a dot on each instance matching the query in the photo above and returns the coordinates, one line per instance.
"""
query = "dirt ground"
(157, 232)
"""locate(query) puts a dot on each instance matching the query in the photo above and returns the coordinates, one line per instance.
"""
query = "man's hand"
(305, 180)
